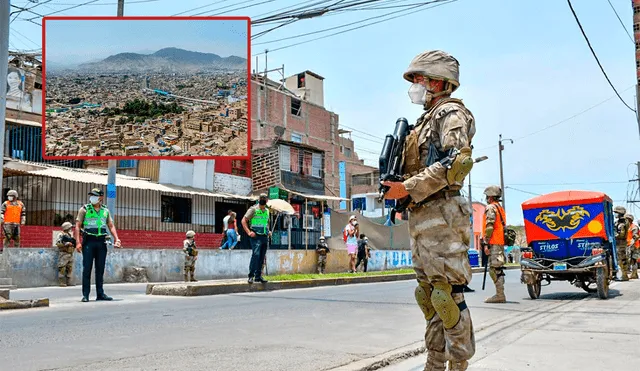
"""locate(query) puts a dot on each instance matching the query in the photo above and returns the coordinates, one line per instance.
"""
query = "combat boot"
(458, 366)
(192, 277)
(499, 297)
(436, 361)
(186, 277)
(634, 272)
(62, 282)
(70, 282)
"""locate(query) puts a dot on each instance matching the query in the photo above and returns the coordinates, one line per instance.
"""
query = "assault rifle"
(390, 163)
(485, 263)
(191, 250)
(66, 239)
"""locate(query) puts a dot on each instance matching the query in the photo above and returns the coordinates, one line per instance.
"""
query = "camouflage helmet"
(191, 234)
(66, 226)
(629, 216)
(619, 210)
(12, 193)
(435, 64)
(493, 191)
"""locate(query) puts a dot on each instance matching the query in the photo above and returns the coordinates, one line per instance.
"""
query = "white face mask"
(353, 222)
(419, 94)
(11, 198)
(94, 200)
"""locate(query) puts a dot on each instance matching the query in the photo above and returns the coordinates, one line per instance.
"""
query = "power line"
(275, 12)
(311, 13)
(201, 7)
(595, 56)
(621, 23)
(244, 7)
(362, 26)
(109, 4)
(345, 25)
(561, 121)
(65, 9)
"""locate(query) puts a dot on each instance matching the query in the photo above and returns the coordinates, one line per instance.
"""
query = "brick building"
(293, 111)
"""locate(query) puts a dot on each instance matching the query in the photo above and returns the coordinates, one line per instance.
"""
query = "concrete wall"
(234, 184)
(198, 174)
(29, 267)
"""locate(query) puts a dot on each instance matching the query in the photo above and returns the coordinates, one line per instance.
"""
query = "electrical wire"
(356, 28)
(596, 56)
(244, 7)
(101, 4)
(621, 23)
(347, 24)
(65, 9)
(561, 121)
(311, 12)
(201, 7)
(315, 2)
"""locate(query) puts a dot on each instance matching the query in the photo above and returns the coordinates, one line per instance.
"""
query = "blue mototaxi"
(570, 237)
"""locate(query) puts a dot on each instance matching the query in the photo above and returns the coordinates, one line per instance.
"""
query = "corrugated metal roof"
(90, 176)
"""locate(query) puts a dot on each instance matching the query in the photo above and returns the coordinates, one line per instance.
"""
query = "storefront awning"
(315, 197)
(14, 167)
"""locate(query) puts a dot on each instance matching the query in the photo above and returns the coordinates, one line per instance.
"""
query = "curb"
(217, 288)
(383, 360)
(23, 304)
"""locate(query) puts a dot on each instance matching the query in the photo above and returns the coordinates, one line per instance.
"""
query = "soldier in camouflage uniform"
(632, 243)
(439, 215)
(190, 257)
(65, 243)
(622, 229)
(322, 249)
(493, 241)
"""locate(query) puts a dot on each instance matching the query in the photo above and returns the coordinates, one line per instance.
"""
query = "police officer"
(256, 223)
(13, 214)
(437, 158)
(94, 219)
(622, 229)
(493, 241)
(633, 243)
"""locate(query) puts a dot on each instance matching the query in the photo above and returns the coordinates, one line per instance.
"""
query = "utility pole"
(472, 240)
(113, 164)
(636, 35)
(500, 149)
(5, 7)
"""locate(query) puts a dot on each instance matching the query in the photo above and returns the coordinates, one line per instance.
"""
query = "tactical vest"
(497, 237)
(260, 221)
(191, 248)
(95, 222)
(13, 213)
(424, 141)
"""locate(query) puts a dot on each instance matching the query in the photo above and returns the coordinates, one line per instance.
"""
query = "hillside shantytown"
(175, 106)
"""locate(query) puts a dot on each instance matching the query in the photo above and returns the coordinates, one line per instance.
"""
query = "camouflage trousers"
(623, 259)
(65, 265)
(322, 263)
(439, 237)
(11, 232)
(496, 262)
(189, 264)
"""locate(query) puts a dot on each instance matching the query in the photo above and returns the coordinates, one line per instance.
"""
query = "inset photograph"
(145, 87)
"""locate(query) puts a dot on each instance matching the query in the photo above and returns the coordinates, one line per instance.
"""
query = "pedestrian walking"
(493, 241)
(256, 223)
(351, 231)
(322, 249)
(438, 214)
(232, 236)
(93, 220)
(225, 226)
(190, 256)
(65, 244)
(13, 214)
(363, 252)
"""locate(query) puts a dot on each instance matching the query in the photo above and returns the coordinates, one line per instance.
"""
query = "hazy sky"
(524, 66)
(84, 40)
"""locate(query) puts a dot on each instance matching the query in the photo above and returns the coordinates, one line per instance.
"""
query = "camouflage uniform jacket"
(622, 230)
(61, 245)
(448, 124)
(322, 249)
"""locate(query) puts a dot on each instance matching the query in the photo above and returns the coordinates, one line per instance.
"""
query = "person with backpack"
(350, 235)
(363, 252)
(494, 241)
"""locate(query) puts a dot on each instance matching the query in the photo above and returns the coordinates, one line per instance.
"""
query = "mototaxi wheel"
(602, 281)
(534, 289)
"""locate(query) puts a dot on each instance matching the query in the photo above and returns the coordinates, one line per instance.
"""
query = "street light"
(472, 240)
(500, 149)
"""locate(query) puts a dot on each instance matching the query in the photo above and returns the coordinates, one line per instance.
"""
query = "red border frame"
(145, 18)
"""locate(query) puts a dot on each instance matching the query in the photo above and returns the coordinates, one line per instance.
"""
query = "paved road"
(309, 329)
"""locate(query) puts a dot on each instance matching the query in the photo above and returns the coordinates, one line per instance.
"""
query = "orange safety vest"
(13, 213)
(497, 237)
(630, 237)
